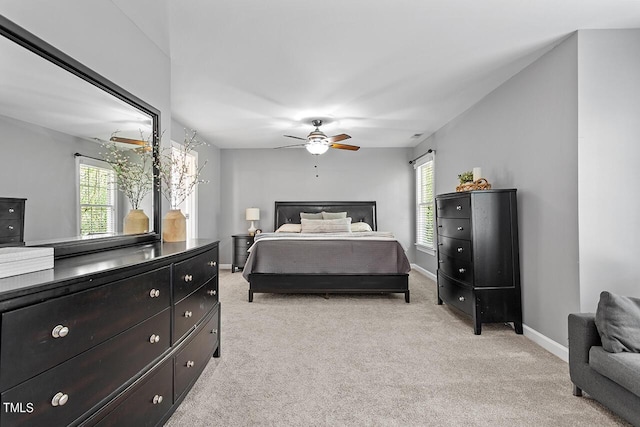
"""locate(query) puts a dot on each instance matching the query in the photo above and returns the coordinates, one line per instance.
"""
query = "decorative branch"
(176, 183)
(133, 169)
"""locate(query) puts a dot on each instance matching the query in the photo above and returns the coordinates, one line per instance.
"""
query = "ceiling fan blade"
(336, 138)
(290, 146)
(296, 137)
(128, 141)
(345, 147)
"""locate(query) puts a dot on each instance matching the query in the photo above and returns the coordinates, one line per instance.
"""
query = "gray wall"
(258, 178)
(524, 135)
(609, 150)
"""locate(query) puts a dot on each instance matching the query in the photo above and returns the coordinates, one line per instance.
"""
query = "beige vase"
(174, 226)
(136, 222)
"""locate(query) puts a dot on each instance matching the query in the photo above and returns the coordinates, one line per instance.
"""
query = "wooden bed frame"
(289, 212)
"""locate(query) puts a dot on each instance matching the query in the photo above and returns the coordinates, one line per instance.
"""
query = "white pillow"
(333, 215)
(289, 228)
(360, 227)
(342, 225)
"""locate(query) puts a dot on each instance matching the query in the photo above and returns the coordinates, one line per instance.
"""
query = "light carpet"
(373, 360)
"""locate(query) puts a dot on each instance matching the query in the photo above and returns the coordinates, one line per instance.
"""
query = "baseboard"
(424, 272)
(224, 266)
(547, 343)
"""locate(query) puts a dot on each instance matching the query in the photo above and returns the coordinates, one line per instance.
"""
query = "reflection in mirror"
(55, 128)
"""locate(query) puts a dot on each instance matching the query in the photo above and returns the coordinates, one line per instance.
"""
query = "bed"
(328, 262)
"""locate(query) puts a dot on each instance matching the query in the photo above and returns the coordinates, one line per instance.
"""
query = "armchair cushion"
(618, 322)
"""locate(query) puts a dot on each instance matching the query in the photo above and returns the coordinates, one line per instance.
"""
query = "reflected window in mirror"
(97, 198)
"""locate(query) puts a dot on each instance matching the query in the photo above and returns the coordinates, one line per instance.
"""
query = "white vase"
(135, 222)
(174, 226)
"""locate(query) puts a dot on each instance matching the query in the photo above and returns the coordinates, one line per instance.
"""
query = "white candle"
(477, 174)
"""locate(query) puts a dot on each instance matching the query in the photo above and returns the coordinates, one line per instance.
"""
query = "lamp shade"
(317, 148)
(252, 214)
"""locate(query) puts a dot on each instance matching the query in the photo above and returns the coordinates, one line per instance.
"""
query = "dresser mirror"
(55, 115)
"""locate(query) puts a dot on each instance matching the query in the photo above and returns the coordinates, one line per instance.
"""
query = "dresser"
(241, 242)
(11, 221)
(478, 255)
(114, 338)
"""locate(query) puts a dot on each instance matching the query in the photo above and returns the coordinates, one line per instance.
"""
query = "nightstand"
(241, 242)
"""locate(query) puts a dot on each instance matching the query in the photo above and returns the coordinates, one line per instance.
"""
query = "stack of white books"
(22, 260)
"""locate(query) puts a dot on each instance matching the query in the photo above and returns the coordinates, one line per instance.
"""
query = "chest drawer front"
(194, 272)
(459, 207)
(11, 209)
(89, 377)
(456, 248)
(34, 338)
(190, 311)
(456, 268)
(455, 294)
(191, 360)
(455, 228)
(147, 404)
(10, 228)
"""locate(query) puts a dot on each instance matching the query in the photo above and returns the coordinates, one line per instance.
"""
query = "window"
(425, 218)
(188, 161)
(97, 197)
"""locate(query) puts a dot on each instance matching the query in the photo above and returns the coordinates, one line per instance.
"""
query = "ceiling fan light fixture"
(317, 147)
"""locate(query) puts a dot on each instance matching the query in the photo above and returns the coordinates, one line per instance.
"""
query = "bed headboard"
(289, 212)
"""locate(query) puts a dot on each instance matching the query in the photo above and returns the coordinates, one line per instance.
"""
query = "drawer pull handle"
(188, 314)
(154, 293)
(460, 228)
(212, 292)
(188, 278)
(59, 399)
(461, 270)
(157, 399)
(460, 250)
(214, 331)
(190, 363)
(154, 338)
(459, 208)
(60, 331)
(11, 210)
(212, 263)
(10, 227)
(461, 299)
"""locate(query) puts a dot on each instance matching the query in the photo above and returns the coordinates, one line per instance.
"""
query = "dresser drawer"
(147, 404)
(10, 227)
(11, 208)
(459, 207)
(34, 338)
(455, 228)
(193, 273)
(191, 360)
(456, 268)
(88, 378)
(456, 248)
(455, 294)
(190, 311)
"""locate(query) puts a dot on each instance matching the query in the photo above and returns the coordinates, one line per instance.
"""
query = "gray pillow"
(333, 215)
(618, 323)
(308, 215)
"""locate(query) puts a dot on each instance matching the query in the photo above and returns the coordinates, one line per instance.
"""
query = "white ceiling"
(246, 72)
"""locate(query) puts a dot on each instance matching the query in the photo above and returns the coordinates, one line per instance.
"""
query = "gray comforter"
(326, 253)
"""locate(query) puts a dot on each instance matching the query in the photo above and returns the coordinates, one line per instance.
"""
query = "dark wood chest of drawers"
(241, 242)
(478, 255)
(120, 345)
(11, 221)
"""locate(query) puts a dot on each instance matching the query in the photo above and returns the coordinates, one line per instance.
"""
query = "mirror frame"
(78, 246)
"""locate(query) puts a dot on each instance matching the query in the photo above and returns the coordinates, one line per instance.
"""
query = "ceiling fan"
(318, 143)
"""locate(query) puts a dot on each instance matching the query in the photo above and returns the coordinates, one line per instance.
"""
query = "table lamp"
(252, 214)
